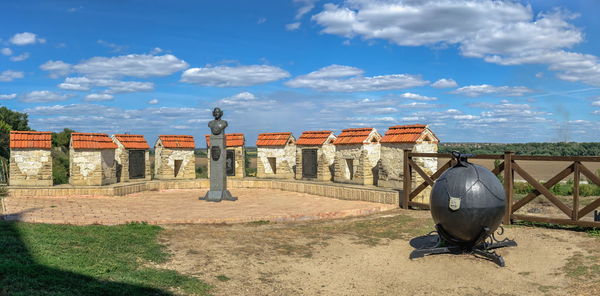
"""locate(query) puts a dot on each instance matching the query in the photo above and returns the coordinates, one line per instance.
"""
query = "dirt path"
(369, 256)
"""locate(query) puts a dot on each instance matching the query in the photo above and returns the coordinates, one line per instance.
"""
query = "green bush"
(201, 172)
(3, 191)
(522, 188)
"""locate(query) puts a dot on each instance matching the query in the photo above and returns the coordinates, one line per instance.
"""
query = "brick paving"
(183, 206)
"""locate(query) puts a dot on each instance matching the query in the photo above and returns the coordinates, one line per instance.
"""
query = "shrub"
(3, 191)
(201, 172)
(522, 188)
(60, 166)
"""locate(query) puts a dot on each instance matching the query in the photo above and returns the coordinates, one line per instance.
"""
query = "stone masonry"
(356, 156)
(125, 144)
(417, 138)
(322, 142)
(276, 156)
(172, 153)
(30, 159)
(92, 160)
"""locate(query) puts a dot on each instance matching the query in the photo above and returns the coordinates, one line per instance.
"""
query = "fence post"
(407, 179)
(508, 186)
(576, 178)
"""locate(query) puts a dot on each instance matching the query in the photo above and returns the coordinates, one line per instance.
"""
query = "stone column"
(364, 173)
(299, 164)
(218, 177)
(323, 172)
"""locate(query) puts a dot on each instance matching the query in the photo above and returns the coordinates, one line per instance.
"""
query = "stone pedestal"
(218, 177)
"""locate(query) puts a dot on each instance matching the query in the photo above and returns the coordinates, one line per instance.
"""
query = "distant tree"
(62, 139)
(60, 156)
(10, 120)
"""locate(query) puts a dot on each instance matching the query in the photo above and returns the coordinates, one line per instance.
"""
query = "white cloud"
(8, 96)
(98, 97)
(20, 57)
(502, 32)
(10, 75)
(26, 38)
(113, 46)
(245, 100)
(444, 83)
(42, 96)
(133, 65)
(306, 6)
(156, 51)
(596, 103)
(6, 51)
(113, 86)
(74, 9)
(417, 97)
(56, 68)
(153, 102)
(485, 89)
(227, 76)
(292, 26)
(261, 20)
(340, 78)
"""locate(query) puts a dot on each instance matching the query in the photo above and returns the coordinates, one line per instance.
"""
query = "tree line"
(546, 149)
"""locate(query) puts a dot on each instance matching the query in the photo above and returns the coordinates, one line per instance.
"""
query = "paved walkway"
(183, 206)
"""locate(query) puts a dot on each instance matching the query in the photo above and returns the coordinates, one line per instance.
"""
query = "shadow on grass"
(21, 274)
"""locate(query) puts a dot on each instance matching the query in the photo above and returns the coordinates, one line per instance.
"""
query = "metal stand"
(441, 246)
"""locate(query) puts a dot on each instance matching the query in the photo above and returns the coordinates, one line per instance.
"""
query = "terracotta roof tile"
(91, 141)
(404, 133)
(273, 139)
(177, 141)
(232, 140)
(353, 136)
(27, 139)
(132, 141)
(313, 138)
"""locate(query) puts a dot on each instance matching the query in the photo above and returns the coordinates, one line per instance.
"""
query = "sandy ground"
(369, 256)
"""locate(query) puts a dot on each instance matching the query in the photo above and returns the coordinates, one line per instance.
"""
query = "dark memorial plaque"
(230, 163)
(137, 164)
(309, 163)
(219, 156)
(215, 153)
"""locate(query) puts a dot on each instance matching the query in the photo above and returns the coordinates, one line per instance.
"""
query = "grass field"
(41, 259)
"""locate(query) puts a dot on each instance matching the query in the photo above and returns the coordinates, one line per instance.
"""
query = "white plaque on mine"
(454, 203)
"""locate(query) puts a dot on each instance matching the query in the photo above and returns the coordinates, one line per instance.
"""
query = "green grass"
(43, 259)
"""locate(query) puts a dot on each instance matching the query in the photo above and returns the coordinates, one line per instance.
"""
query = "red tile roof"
(313, 138)
(177, 141)
(91, 141)
(273, 139)
(353, 136)
(132, 141)
(26, 139)
(404, 133)
(232, 140)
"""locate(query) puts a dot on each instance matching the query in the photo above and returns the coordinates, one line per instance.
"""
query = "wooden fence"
(509, 165)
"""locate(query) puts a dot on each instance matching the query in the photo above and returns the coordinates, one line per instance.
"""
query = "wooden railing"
(509, 166)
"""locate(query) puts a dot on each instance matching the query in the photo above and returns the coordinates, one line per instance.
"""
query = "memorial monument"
(217, 151)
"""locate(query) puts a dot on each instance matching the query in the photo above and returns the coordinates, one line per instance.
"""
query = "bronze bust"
(217, 126)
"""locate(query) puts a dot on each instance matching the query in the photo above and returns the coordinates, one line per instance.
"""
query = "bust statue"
(217, 126)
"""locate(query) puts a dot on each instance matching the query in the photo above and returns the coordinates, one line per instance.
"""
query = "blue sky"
(475, 71)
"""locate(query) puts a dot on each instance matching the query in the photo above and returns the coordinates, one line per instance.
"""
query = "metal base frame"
(483, 250)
